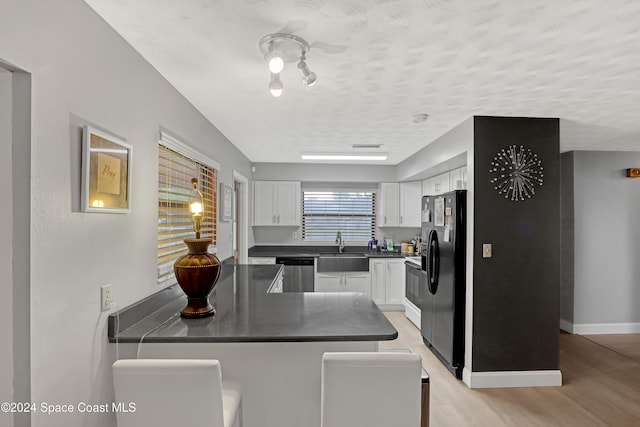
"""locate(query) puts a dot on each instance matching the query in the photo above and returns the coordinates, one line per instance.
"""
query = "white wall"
(84, 73)
(607, 241)
(6, 245)
(311, 172)
(451, 150)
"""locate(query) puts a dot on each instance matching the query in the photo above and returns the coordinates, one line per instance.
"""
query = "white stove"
(415, 260)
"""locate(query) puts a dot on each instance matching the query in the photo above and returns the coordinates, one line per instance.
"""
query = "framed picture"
(106, 172)
(226, 202)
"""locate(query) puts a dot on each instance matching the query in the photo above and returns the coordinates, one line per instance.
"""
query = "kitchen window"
(324, 213)
(177, 165)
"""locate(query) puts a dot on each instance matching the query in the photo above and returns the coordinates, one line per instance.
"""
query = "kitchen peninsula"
(271, 342)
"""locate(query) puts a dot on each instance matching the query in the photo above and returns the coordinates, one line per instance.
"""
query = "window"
(324, 213)
(175, 171)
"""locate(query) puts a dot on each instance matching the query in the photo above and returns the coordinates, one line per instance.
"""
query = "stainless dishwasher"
(298, 273)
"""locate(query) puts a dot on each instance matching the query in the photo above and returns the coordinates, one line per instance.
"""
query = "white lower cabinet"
(388, 282)
(356, 281)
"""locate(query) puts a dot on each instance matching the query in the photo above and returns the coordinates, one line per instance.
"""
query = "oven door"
(413, 286)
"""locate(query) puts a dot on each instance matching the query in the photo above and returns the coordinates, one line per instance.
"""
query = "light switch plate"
(486, 250)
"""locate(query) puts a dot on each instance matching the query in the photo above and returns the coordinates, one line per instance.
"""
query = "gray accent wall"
(516, 291)
(607, 238)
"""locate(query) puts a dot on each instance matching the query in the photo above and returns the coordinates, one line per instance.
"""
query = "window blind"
(324, 213)
(174, 221)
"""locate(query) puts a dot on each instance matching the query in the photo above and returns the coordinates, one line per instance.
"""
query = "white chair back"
(174, 392)
(371, 390)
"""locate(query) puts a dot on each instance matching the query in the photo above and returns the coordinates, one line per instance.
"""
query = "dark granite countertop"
(315, 251)
(245, 312)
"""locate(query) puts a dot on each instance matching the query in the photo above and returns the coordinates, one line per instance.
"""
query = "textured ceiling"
(379, 62)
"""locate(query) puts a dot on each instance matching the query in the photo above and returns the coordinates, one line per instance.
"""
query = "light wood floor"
(601, 387)
(625, 344)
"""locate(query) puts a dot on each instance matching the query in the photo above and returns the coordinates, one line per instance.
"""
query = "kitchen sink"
(345, 261)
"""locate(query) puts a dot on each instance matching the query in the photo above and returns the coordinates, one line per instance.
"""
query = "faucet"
(340, 242)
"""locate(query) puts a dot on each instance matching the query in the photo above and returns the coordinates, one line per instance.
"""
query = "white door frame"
(243, 215)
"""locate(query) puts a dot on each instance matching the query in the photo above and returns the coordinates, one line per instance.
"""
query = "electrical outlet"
(106, 297)
(486, 250)
(295, 235)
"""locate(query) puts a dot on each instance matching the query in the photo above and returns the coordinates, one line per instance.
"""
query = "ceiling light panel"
(344, 156)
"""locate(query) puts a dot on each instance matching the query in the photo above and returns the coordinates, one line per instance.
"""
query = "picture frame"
(106, 172)
(226, 202)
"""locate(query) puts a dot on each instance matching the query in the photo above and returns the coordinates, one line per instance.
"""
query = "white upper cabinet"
(276, 203)
(427, 187)
(442, 183)
(455, 179)
(458, 178)
(410, 203)
(389, 205)
(400, 204)
(288, 206)
(264, 203)
(436, 185)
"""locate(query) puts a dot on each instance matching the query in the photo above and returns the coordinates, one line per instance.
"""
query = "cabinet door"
(428, 187)
(390, 204)
(288, 210)
(378, 280)
(410, 203)
(357, 282)
(442, 183)
(463, 174)
(328, 283)
(458, 178)
(264, 199)
(395, 281)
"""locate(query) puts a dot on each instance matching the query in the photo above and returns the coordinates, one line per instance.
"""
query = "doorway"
(240, 223)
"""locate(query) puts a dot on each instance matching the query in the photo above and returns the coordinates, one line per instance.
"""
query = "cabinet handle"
(385, 219)
(401, 219)
(278, 219)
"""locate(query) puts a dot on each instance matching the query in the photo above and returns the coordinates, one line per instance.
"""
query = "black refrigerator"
(443, 289)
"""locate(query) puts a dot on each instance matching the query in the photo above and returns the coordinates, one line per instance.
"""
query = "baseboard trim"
(606, 328)
(566, 326)
(503, 379)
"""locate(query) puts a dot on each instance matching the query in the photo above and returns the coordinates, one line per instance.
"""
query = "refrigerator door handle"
(433, 255)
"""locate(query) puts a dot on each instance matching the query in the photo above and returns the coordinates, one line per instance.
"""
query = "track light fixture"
(280, 48)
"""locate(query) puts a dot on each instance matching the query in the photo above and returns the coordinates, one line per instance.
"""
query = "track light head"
(275, 85)
(308, 77)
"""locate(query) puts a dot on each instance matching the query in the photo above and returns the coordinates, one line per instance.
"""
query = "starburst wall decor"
(517, 171)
